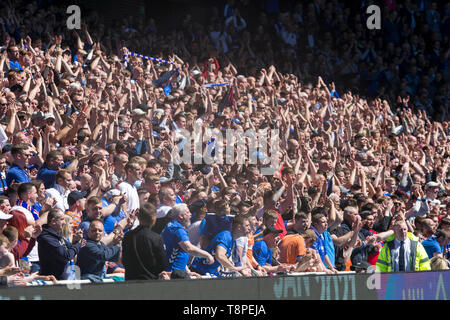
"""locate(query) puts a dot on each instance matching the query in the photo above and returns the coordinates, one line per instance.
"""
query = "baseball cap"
(112, 193)
(269, 230)
(4, 216)
(73, 197)
(49, 116)
(432, 184)
(138, 112)
(303, 95)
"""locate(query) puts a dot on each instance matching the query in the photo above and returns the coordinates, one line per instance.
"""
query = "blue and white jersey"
(4, 185)
(173, 234)
(319, 244)
(223, 239)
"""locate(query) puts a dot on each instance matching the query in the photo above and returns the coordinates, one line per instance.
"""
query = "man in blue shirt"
(220, 247)
(113, 196)
(94, 212)
(263, 251)
(213, 223)
(13, 56)
(176, 240)
(53, 162)
(28, 199)
(3, 185)
(17, 173)
(319, 226)
(435, 244)
(92, 257)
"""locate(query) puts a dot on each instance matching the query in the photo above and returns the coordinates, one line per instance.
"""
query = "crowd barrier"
(346, 286)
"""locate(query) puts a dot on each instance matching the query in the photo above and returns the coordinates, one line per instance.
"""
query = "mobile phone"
(84, 108)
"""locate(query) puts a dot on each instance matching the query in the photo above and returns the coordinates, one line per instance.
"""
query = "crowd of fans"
(91, 186)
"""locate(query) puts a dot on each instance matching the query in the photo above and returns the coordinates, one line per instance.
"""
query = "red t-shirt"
(372, 259)
(280, 225)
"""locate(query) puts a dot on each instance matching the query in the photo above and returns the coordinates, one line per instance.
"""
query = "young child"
(6, 257)
(33, 278)
(311, 261)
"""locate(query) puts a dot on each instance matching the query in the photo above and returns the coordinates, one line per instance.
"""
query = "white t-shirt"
(132, 196)
(60, 195)
(243, 243)
(162, 210)
(194, 233)
(3, 137)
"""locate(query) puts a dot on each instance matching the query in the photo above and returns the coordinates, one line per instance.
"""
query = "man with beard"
(176, 240)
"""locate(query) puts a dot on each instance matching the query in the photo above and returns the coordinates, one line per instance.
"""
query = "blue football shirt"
(223, 239)
(173, 234)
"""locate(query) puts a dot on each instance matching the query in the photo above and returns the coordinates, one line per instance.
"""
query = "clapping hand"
(77, 235)
(37, 231)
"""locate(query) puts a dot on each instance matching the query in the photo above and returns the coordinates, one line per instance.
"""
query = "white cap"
(138, 112)
(113, 193)
(303, 94)
(49, 116)
(432, 184)
(4, 216)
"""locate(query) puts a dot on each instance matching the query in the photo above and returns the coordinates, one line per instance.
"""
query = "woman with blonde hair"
(67, 233)
(439, 263)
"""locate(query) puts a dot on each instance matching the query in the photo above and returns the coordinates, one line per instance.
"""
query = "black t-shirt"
(143, 254)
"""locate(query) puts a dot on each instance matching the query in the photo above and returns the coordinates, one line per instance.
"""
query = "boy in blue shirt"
(263, 251)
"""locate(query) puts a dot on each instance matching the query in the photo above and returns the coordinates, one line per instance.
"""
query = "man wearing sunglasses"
(21, 154)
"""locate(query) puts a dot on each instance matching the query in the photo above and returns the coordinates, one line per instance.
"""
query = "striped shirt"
(30, 208)
(3, 184)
